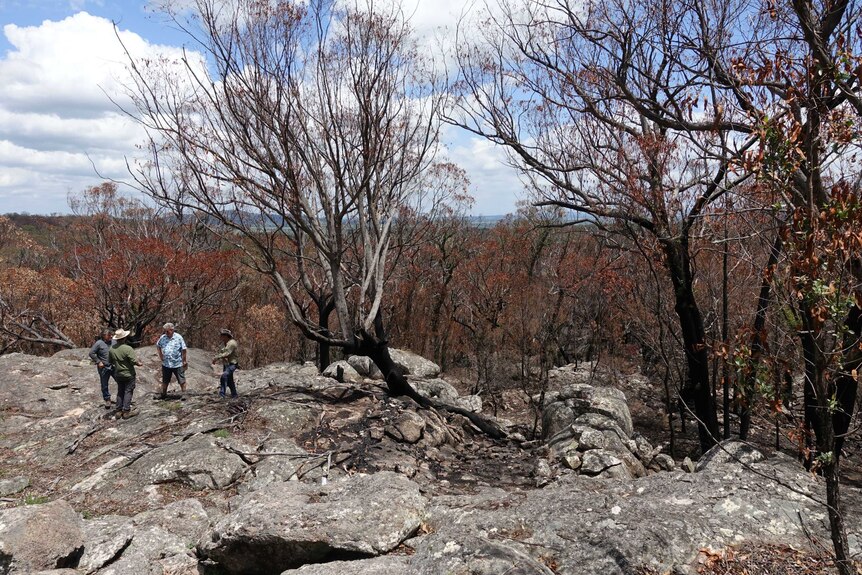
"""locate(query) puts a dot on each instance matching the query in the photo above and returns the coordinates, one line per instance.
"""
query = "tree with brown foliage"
(133, 266)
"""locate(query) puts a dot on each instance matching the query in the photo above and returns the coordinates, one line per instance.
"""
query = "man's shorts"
(167, 372)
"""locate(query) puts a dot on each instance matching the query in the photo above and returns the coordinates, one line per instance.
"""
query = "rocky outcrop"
(660, 521)
(589, 429)
(301, 475)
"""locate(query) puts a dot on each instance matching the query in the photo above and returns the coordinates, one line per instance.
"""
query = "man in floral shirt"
(172, 352)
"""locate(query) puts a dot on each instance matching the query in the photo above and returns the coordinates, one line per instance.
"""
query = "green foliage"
(757, 372)
(35, 499)
(826, 457)
(221, 433)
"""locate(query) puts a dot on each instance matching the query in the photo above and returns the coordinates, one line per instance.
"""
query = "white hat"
(121, 334)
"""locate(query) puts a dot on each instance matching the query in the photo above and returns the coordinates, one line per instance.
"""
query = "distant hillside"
(41, 228)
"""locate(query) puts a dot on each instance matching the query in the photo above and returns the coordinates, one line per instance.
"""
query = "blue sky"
(59, 131)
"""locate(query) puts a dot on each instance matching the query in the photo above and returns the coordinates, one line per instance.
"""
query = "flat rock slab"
(151, 549)
(583, 525)
(288, 419)
(13, 485)
(287, 525)
(474, 555)
(198, 462)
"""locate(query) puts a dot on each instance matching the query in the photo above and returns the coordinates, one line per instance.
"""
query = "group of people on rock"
(114, 357)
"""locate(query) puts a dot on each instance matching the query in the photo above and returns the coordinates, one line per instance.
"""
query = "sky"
(60, 133)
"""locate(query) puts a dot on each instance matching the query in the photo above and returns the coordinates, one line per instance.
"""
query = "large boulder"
(414, 364)
(154, 550)
(435, 389)
(13, 485)
(408, 427)
(106, 539)
(582, 398)
(364, 366)
(40, 537)
(348, 373)
(286, 525)
(153, 542)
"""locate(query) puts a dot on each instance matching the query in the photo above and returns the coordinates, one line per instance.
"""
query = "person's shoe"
(109, 404)
(129, 414)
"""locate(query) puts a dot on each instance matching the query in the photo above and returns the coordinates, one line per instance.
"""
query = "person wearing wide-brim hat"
(228, 356)
(124, 360)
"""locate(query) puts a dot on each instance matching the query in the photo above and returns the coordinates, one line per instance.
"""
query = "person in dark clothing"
(123, 359)
(99, 355)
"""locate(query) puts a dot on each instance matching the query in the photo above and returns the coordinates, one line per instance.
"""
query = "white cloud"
(494, 185)
(58, 126)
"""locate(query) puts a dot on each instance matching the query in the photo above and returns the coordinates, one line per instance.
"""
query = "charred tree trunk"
(725, 373)
(812, 418)
(376, 347)
(758, 336)
(697, 388)
(846, 385)
(839, 530)
(324, 310)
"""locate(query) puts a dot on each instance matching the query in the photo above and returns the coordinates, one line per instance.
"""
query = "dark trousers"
(227, 380)
(104, 376)
(125, 390)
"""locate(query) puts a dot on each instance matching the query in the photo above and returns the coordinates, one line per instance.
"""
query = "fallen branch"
(485, 424)
(74, 445)
(333, 458)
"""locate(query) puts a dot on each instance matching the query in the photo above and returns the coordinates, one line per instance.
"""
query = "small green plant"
(35, 500)
(221, 433)
(173, 406)
(87, 514)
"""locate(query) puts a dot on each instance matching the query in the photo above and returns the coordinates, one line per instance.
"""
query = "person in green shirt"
(124, 360)
(227, 355)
